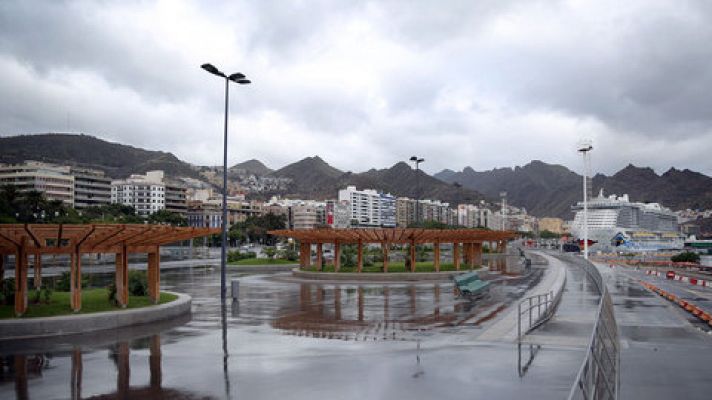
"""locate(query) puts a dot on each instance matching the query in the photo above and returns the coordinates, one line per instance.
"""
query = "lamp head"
(211, 68)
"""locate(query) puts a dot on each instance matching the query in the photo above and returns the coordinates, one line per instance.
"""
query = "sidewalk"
(573, 322)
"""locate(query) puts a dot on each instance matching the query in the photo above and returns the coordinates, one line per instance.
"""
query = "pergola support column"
(75, 277)
(319, 257)
(477, 253)
(38, 271)
(456, 255)
(471, 255)
(122, 277)
(466, 253)
(154, 275)
(436, 256)
(385, 246)
(337, 256)
(21, 278)
(412, 255)
(360, 255)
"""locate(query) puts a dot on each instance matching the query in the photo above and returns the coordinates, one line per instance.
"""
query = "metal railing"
(599, 375)
(537, 309)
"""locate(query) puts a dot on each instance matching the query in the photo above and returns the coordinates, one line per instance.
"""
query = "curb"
(682, 278)
(83, 323)
(684, 304)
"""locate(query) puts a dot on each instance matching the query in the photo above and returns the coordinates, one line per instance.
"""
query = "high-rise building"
(410, 211)
(369, 208)
(91, 188)
(472, 216)
(56, 182)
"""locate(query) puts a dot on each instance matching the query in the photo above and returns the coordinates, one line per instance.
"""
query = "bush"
(687, 256)
(7, 291)
(111, 291)
(235, 255)
(47, 294)
(289, 254)
(269, 252)
(138, 283)
(64, 283)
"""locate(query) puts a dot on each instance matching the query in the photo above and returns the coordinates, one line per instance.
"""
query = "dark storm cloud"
(486, 83)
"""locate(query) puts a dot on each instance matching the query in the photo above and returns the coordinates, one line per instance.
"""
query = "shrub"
(64, 283)
(138, 284)
(8, 291)
(236, 255)
(289, 254)
(47, 294)
(687, 256)
(36, 296)
(111, 292)
(269, 252)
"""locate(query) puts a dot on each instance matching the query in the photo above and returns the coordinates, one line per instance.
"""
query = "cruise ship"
(616, 223)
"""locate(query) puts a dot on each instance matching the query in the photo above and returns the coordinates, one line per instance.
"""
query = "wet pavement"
(285, 339)
(665, 351)
(573, 322)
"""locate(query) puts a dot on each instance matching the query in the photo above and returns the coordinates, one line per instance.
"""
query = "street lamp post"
(584, 147)
(417, 162)
(238, 78)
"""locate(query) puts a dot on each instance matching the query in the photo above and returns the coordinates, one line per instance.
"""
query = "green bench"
(470, 284)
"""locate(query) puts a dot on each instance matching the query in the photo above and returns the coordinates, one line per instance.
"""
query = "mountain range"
(313, 178)
(550, 190)
(115, 159)
(543, 189)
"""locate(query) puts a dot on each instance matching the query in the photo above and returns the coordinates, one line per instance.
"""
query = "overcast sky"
(366, 84)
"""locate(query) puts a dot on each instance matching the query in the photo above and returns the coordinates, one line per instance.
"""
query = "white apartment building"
(146, 193)
(369, 208)
(472, 216)
(55, 181)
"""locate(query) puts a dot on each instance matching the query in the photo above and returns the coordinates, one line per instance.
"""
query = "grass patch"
(262, 261)
(93, 300)
(398, 266)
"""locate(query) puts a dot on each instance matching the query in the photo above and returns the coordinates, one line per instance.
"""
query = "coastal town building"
(56, 182)
(370, 208)
(91, 188)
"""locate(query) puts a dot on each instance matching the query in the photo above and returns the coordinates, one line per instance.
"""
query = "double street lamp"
(417, 162)
(238, 78)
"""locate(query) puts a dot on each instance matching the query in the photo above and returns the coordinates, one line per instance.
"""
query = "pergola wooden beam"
(23, 240)
(395, 235)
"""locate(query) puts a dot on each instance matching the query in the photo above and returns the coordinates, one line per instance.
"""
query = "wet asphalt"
(665, 351)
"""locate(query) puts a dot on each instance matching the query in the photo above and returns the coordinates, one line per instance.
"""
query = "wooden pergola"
(470, 240)
(24, 240)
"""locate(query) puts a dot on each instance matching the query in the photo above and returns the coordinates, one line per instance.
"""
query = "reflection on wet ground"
(291, 340)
